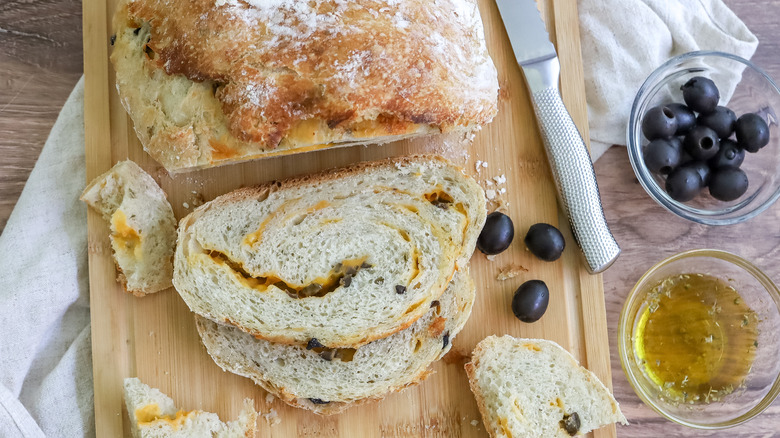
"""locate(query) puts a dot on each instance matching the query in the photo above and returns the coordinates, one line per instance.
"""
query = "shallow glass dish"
(762, 382)
(754, 92)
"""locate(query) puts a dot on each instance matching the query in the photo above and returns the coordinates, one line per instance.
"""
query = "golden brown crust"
(353, 70)
(262, 190)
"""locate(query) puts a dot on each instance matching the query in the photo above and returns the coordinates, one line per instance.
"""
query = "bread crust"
(225, 80)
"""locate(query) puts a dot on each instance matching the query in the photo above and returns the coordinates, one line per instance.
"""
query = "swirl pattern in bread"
(344, 257)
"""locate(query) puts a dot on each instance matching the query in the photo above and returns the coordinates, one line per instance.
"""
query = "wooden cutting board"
(155, 338)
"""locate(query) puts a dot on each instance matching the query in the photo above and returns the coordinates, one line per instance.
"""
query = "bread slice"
(257, 78)
(327, 381)
(153, 415)
(527, 387)
(344, 257)
(143, 229)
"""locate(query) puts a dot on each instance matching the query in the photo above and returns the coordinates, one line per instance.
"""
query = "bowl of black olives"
(703, 138)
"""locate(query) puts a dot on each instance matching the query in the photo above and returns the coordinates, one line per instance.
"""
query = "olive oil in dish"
(695, 338)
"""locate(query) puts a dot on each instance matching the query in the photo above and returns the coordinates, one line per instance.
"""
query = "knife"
(567, 154)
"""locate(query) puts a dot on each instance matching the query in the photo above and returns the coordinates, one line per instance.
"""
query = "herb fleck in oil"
(695, 338)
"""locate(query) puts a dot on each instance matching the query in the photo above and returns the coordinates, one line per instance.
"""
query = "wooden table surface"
(41, 61)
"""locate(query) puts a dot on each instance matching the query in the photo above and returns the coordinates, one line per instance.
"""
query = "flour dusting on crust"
(219, 80)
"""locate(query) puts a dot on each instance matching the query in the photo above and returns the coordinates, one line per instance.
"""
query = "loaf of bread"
(345, 257)
(327, 381)
(143, 229)
(153, 415)
(535, 388)
(208, 82)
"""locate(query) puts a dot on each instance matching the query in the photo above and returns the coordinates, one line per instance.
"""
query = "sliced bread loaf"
(346, 256)
(143, 229)
(535, 388)
(153, 415)
(329, 381)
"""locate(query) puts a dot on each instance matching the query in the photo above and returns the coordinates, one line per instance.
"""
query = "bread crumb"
(502, 190)
(185, 205)
(490, 193)
(501, 179)
(488, 182)
(269, 398)
(474, 423)
(511, 271)
(272, 418)
(491, 257)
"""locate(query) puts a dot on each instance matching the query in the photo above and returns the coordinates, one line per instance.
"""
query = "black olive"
(701, 94)
(722, 121)
(400, 290)
(345, 280)
(446, 340)
(685, 157)
(686, 119)
(702, 143)
(659, 122)
(571, 423)
(545, 241)
(530, 301)
(683, 184)
(661, 156)
(328, 354)
(703, 169)
(314, 343)
(497, 234)
(113, 39)
(318, 401)
(752, 132)
(729, 155)
(728, 184)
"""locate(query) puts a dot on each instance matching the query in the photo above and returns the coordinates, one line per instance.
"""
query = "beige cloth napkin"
(45, 355)
(623, 41)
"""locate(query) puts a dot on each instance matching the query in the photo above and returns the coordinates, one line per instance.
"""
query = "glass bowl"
(754, 92)
(762, 379)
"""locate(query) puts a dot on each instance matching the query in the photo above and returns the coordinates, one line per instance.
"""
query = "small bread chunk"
(153, 415)
(330, 381)
(346, 256)
(143, 229)
(534, 388)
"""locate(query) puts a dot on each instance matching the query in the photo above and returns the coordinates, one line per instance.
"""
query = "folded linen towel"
(623, 41)
(45, 352)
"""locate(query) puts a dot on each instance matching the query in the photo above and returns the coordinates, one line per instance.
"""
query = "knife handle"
(571, 168)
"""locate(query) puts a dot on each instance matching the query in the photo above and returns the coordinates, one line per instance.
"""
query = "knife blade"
(572, 170)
